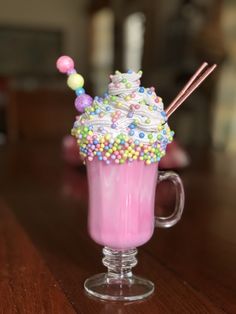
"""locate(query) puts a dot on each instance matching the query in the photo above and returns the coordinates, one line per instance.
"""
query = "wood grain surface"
(46, 253)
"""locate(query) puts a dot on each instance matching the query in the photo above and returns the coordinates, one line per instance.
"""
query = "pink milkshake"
(121, 203)
(122, 136)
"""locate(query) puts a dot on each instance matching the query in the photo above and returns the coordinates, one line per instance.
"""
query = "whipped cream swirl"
(129, 112)
(127, 108)
(122, 84)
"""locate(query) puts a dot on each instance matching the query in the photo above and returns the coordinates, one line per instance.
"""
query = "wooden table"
(46, 253)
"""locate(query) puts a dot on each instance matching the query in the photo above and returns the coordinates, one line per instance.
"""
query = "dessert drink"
(122, 136)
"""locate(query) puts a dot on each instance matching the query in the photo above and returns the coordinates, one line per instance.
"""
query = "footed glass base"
(117, 289)
(119, 283)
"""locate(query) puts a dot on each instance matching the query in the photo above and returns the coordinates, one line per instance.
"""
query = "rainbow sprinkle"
(122, 148)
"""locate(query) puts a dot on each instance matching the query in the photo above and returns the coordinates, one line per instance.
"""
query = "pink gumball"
(83, 101)
(65, 64)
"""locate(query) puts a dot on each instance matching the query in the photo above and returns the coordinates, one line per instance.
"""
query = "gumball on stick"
(75, 81)
(83, 101)
(65, 64)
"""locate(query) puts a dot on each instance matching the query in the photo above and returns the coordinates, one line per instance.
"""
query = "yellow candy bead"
(75, 81)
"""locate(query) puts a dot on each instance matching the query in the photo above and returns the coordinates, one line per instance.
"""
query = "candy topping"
(65, 64)
(128, 123)
(75, 81)
(125, 125)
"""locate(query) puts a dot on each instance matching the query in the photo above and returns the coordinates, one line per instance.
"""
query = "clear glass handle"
(169, 221)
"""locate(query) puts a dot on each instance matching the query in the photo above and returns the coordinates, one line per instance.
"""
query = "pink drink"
(122, 136)
(121, 197)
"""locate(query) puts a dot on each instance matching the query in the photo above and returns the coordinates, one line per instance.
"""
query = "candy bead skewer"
(75, 81)
(187, 92)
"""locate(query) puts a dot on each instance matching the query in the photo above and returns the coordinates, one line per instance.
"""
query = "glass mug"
(121, 218)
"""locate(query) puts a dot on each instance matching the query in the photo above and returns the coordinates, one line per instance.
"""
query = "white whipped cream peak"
(127, 109)
(123, 83)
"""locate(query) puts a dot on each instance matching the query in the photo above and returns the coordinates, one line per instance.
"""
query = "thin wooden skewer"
(188, 88)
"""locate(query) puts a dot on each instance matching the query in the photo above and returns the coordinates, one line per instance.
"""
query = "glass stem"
(119, 263)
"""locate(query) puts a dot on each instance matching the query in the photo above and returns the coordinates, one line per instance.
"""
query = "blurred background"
(42, 180)
(168, 40)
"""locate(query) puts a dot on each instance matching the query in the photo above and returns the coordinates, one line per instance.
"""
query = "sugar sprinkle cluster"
(128, 123)
(122, 148)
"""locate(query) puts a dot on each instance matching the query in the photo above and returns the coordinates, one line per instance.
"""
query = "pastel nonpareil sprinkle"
(128, 123)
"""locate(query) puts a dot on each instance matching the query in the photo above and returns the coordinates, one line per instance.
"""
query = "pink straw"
(191, 85)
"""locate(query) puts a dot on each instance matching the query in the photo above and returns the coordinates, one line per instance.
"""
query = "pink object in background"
(70, 151)
(176, 157)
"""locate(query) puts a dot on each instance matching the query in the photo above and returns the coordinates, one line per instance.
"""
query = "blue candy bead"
(80, 91)
(131, 132)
